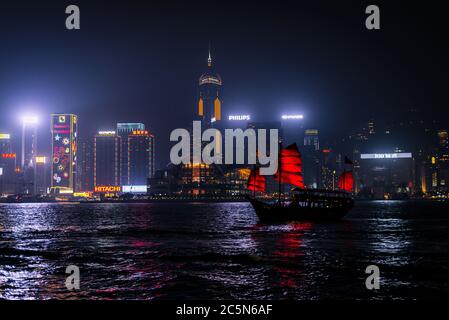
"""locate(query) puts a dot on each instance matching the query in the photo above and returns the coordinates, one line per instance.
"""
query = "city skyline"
(212, 158)
(297, 73)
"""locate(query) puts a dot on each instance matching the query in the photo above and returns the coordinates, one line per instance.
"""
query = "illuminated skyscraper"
(5, 143)
(28, 152)
(64, 152)
(7, 166)
(85, 172)
(443, 139)
(29, 141)
(41, 175)
(141, 157)
(311, 139)
(292, 128)
(107, 148)
(124, 130)
(311, 158)
(209, 102)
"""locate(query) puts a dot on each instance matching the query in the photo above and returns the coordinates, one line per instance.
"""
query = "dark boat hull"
(335, 209)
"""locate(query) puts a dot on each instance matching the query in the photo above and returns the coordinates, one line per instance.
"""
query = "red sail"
(256, 182)
(290, 166)
(346, 181)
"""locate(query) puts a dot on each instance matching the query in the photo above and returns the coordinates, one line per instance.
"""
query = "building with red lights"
(141, 157)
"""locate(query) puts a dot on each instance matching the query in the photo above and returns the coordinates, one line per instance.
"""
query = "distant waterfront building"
(29, 141)
(311, 158)
(86, 165)
(64, 152)
(328, 174)
(209, 101)
(42, 175)
(107, 150)
(5, 143)
(443, 144)
(311, 164)
(371, 127)
(8, 175)
(443, 161)
(311, 139)
(292, 129)
(141, 157)
(386, 175)
(123, 131)
(28, 152)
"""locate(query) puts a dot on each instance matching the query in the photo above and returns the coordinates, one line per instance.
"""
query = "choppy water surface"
(220, 251)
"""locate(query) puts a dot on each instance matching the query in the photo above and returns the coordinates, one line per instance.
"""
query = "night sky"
(139, 61)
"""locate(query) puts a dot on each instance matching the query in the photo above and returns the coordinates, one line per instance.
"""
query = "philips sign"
(243, 117)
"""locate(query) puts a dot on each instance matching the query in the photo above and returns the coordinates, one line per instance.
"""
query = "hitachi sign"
(107, 189)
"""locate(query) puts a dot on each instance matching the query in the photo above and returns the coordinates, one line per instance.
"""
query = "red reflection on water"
(289, 247)
(142, 244)
(290, 244)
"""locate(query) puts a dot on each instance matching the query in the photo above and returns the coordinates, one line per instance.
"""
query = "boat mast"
(255, 177)
(280, 170)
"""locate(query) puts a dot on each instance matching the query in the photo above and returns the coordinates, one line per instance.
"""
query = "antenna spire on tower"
(209, 60)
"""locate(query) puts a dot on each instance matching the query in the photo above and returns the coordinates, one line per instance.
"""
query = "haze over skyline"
(142, 63)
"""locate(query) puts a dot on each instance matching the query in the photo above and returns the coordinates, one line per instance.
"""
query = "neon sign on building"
(107, 189)
(64, 151)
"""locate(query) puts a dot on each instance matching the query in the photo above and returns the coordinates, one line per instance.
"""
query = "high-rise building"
(443, 140)
(8, 175)
(124, 130)
(41, 175)
(85, 172)
(328, 174)
(5, 143)
(141, 157)
(311, 139)
(209, 101)
(64, 152)
(311, 158)
(107, 147)
(371, 127)
(386, 175)
(292, 128)
(443, 157)
(28, 152)
(29, 141)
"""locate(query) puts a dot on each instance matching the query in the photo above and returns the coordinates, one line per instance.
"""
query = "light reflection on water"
(221, 251)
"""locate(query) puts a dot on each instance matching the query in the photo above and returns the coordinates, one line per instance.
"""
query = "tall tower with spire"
(209, 101)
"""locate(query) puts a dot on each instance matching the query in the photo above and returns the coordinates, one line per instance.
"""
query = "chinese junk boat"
(304, 204)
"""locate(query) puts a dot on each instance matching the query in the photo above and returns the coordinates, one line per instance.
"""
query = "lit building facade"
(292, 129)
(386, 175)
(8, 163)
(443, 159)
(5, 143)
(28, 152)
(85, 172)
(209, 101)
(311, 138)
(41, 175)
(64, 152)
(123, 131)
(107, 147)
(29, 141)
(141, 157)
